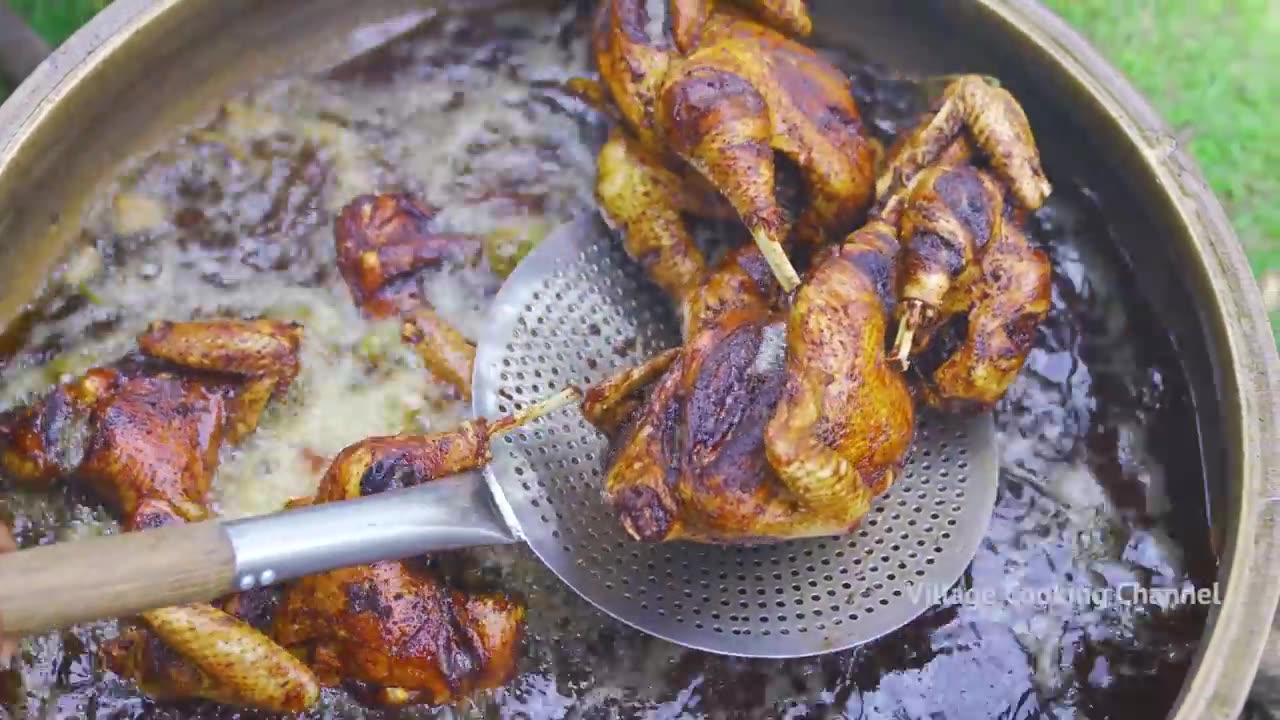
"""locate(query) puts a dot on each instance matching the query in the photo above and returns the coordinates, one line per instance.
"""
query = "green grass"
(1212, 67)
(56, 20)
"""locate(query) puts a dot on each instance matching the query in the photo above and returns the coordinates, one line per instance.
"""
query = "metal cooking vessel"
(143, 66)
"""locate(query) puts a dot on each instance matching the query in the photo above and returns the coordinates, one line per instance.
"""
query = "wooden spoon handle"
(58, 585)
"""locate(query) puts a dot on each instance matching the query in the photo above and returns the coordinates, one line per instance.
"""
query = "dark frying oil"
(1096, 436)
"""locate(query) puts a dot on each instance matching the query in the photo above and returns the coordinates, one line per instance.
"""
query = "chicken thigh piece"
(960, 186)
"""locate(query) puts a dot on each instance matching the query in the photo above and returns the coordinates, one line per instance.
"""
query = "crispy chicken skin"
(382, 242)
(392, 629)
(960, 185)
(725, 92)
(756, 430)
(398, 634)
(747, 437)
(845, 420)
(222, 657)
(144, 435)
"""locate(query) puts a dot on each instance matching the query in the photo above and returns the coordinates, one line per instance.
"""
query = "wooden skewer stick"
(778, 261)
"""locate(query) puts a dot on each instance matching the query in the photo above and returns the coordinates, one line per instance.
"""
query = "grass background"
(1212, 67)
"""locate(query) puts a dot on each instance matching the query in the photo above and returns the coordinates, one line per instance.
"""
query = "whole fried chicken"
(704, 107)
(958, 188)
(754, 430)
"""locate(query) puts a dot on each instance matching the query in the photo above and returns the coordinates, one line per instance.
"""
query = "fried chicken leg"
(382, 242)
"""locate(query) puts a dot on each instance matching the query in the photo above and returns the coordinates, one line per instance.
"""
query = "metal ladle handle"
(21, 49)
(59, 585)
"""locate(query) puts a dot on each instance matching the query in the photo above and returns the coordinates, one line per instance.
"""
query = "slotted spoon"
(576, 310)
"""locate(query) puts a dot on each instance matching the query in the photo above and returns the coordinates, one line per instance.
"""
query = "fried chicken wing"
(382, 242)
(144, 435)
(393, 629)
(202, 651)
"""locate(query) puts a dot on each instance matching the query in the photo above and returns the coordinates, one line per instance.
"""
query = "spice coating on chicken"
(382, 241)
(962, 183)
(725, 446)
(845, 420)
(392, 627)
(145, 434)
(223, 658)
(721, 95)
(148, 428)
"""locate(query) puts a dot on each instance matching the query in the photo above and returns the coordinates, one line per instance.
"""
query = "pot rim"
(1227, 661)
(1249, 366)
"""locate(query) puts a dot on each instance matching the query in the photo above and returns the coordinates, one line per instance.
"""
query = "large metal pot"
(144, 66)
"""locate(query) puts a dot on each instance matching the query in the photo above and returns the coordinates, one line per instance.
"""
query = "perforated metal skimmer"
(576, 311)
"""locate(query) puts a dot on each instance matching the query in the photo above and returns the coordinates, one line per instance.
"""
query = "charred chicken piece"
(144, 434)
(760, 428)
(721, 96)
(959, 187)
(382, 242)
(392, 629)
(968, 270)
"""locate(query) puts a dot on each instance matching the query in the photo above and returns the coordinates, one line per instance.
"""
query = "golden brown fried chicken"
(144, 435)
(394, 631)
(382, 242)
(959, 186)
(392, 628)
(845, 421)
(768, 425)
(967, 259)
(214, 652)
(721, 96)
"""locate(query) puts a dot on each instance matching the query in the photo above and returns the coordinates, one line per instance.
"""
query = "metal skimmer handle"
(54, 586)
(445, 514)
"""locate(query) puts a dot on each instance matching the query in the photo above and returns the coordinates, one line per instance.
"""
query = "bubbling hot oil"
(234, 218)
